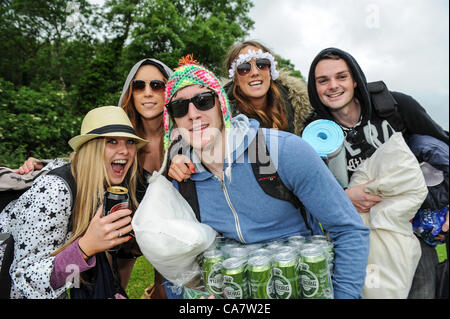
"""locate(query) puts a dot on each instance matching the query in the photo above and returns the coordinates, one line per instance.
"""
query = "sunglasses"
(203, 102)
(244, 68)
(156, 85)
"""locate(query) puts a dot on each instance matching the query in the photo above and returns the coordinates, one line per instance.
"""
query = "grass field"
(143, 274)
(141, 278)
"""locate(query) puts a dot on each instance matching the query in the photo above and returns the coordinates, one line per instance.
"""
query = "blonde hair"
(274, 116)
(89, 170)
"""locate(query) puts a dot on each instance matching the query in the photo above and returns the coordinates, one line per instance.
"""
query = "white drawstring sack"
(168, 233)
(394, 249)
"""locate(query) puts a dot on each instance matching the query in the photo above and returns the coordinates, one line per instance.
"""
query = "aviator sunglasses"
(156, 85)
(244, 68)
(203, 102)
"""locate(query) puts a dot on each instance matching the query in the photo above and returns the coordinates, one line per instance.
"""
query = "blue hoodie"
(239, 209)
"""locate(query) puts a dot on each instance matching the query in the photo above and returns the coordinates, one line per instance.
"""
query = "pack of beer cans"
(295, 268)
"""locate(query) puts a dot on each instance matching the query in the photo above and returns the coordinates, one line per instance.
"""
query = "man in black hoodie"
(338, 91)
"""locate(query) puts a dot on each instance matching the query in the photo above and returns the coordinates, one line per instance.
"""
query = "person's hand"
(444, 230)
(181, 168)
(362, 201)
(29, 165)
(106, 232)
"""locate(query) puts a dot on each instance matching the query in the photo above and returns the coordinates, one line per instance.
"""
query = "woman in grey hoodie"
(142, 99)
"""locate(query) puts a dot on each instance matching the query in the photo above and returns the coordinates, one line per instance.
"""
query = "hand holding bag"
(168, 233)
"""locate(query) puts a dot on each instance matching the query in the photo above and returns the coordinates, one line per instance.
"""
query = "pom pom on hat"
(188, 59)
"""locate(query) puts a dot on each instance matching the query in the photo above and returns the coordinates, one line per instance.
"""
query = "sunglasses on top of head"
(156, 85)
(261, 64)
(203, 102)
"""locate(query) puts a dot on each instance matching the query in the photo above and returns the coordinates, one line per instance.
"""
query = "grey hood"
(165, 70)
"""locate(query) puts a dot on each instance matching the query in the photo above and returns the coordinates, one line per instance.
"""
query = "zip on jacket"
(235, 215)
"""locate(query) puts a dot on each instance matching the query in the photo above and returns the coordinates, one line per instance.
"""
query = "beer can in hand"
(116, 198)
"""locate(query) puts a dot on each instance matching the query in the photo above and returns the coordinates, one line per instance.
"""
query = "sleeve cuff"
(66, 262)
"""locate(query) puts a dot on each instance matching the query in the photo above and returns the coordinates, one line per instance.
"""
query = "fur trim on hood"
(295, 96)
(298, 98)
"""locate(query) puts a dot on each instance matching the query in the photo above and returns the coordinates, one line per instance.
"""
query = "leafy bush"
(34, 123)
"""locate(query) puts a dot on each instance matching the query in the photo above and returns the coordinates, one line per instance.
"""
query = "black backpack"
(271, 183)
(385, 105)
(103, 282)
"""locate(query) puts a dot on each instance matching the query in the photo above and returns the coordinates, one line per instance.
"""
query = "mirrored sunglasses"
(262, 64)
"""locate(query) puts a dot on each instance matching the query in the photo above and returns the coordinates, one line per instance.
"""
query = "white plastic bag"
(168, 233)
(394, 249)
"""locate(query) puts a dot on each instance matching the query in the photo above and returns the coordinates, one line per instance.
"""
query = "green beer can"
(314, 273)
(235, 284)
(285, 275)
(259, 272)
(212, 271)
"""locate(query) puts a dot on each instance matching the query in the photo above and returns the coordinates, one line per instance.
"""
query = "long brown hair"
(89, 171)
(136, 119)
(274, 115)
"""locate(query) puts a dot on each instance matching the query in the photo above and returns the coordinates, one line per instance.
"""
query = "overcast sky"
(405, 43)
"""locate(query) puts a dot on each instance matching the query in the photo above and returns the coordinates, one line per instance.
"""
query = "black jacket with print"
(372, 129)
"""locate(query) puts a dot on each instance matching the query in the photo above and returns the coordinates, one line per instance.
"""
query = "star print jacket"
(38, 222)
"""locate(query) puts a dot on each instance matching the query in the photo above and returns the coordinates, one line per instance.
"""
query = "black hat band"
(113, 129)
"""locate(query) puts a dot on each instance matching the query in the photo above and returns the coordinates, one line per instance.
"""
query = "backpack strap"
(66, 174)
(271, 183)
(189, 192)
(385, 105)
(5, 278)
(267, 176)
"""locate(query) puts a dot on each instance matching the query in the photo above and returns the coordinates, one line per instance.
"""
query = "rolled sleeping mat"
(327, 139)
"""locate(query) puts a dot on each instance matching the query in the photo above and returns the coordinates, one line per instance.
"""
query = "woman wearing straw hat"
(142, 98)
(56, 239)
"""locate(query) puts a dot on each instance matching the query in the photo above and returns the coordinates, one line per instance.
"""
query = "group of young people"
(161, 110)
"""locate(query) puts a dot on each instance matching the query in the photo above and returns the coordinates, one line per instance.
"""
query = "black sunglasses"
(203, 102)
(156, 85)
(262, 64)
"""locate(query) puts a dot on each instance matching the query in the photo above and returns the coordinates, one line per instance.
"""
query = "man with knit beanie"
(197, 120)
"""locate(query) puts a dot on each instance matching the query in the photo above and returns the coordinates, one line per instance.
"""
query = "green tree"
(41, 29)
(168, 30)
(286, 64)
(56, 66)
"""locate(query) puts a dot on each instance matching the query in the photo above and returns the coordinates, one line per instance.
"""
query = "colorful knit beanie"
(189, 73)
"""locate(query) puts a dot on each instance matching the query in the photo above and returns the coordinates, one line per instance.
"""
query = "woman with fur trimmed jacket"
(280, 101)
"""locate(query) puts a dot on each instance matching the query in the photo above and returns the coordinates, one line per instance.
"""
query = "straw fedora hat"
(105, 121)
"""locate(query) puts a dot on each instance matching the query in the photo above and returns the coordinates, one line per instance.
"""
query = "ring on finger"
(120, 234)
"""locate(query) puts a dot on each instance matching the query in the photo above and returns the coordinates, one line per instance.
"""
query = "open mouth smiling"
(118, 166)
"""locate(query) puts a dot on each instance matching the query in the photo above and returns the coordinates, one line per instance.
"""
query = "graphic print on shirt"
(364, 147)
